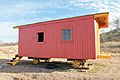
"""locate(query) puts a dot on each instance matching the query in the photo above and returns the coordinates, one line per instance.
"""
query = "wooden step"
(104, 56)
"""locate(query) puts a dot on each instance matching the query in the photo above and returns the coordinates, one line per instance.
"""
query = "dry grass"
(110, 47)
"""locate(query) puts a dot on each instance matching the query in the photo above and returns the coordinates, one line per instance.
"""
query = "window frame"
(68, 35)
(43, 37)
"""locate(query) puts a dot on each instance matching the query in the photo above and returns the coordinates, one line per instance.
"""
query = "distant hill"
(113, 35)
(8, 43)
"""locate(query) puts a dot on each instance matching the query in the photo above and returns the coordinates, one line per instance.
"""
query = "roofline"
(60, 19)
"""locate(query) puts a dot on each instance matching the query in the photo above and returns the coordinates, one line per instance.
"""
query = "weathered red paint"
(82, 45)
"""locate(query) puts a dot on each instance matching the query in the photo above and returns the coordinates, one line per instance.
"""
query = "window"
(66, 34)
(41, 37)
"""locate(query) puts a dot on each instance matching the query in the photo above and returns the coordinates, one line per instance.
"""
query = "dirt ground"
(103, 69)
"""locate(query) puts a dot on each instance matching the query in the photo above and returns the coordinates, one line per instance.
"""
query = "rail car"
(77, 39)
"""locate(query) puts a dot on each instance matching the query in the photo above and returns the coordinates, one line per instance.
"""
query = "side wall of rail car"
(82, 45)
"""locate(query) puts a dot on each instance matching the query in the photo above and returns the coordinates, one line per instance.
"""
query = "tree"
(116, 23)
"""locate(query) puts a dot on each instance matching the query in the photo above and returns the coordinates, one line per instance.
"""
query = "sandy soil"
(105, 69)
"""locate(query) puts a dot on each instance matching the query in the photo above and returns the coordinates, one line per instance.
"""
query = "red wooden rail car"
(75, 38)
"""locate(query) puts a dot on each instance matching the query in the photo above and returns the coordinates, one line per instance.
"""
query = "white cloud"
(26, 8)
(7, 32)
(100, 6)
(18, 9)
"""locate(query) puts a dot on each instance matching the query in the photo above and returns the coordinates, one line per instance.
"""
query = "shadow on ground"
(25, 66)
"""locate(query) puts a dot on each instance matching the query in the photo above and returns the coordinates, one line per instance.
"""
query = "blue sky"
(18, 12)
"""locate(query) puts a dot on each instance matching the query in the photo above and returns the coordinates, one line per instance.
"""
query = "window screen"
(66, 34)
(41, 37)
